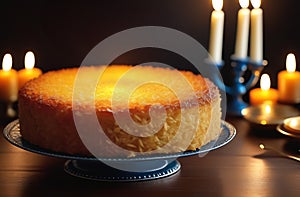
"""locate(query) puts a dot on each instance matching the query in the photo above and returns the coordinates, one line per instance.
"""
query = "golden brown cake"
(190, 105)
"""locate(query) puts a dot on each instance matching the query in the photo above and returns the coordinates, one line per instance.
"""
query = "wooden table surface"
(238, 169)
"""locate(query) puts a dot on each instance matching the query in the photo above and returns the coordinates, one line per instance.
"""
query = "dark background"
(61, 33)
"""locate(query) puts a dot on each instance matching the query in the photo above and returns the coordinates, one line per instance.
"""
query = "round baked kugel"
(46, 110)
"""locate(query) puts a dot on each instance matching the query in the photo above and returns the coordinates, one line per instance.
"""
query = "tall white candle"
(216, 31)
(256, 40)
(242, 34)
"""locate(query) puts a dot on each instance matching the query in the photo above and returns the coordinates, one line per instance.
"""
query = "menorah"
(240, 86)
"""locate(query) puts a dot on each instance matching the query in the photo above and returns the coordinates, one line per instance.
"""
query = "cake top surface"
(120, 86)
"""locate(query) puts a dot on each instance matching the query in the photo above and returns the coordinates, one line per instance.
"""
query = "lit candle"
(242, 34)
(216, 32)
(264, 93)
(8, 81)
(29, 72)
(289, 82)
(256, 39)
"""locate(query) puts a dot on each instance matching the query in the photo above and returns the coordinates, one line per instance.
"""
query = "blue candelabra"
(240, 86)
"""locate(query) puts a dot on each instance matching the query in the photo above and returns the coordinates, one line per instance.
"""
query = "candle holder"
(240, 86)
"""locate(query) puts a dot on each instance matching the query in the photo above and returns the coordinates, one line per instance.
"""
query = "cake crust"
(46, 110)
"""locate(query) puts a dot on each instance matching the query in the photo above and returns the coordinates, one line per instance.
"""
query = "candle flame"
(291, 62)
(29, 60)
(7, 62)
(256, 3)
(265, 82)
(217, 4)
(244, 3)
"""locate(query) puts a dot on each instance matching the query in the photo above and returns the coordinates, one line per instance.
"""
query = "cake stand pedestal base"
(145, 170)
